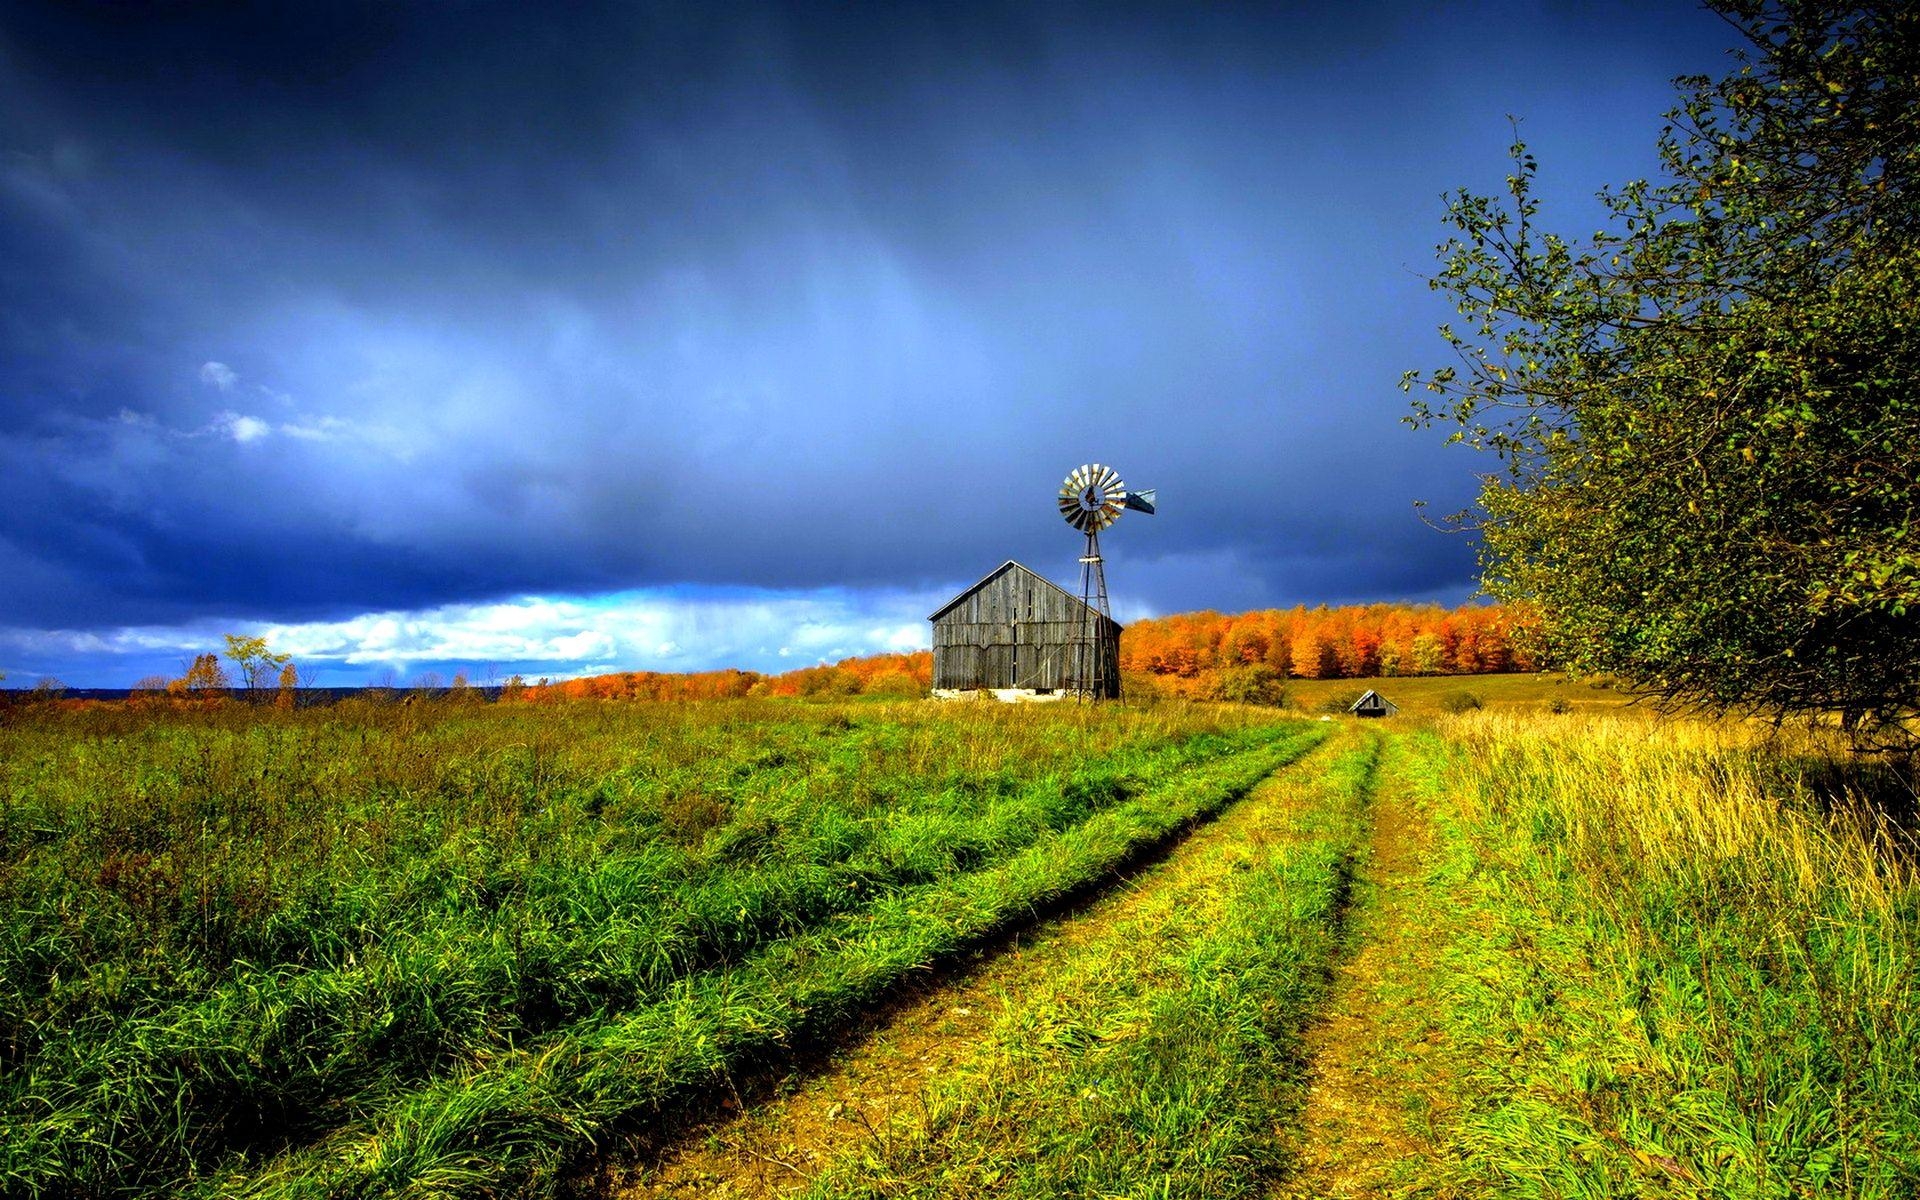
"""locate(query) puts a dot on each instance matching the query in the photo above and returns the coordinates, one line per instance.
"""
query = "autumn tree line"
(1356, 641)
(904, 676)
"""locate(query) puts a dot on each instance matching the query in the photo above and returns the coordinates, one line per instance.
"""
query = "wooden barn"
(1373, 704)
(1019, 635)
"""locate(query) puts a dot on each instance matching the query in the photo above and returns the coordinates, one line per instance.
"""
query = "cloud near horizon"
(556, 636)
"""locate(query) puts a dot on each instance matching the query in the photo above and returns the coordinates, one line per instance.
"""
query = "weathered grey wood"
(1016, 629)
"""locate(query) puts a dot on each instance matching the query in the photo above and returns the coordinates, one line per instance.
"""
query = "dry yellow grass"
(1676, 800)
(1690, 962)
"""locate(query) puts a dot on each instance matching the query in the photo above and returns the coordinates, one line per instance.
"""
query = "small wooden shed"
(1373, 704)
(1022, 635)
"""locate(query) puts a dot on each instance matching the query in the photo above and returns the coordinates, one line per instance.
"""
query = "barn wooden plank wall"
(1015, 629)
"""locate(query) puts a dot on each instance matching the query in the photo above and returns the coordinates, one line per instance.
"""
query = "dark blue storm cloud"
(311, 311)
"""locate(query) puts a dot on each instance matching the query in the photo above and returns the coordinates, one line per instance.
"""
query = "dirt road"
(941, 1093)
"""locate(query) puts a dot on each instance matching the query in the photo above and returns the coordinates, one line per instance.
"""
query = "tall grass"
(240, 948)
(1693, 971)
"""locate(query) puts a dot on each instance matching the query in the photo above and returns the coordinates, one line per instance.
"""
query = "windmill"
(1091, 499)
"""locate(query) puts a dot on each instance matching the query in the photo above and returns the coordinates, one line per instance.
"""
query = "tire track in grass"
(516, 1124)
(1379, 1099)
(948, 1094)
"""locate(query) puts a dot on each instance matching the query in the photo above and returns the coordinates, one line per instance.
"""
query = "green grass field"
(368, 950)
(470, 950)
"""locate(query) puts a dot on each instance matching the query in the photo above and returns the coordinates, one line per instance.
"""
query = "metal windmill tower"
(1091, 499)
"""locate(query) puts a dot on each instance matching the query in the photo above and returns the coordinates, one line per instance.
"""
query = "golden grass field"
(1428, 695)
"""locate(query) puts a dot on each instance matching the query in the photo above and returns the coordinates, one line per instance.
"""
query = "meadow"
(1637, 957)
(462, 949)
(1156, 1048)
(1684, 960)
(441, 949)
(1436, 695)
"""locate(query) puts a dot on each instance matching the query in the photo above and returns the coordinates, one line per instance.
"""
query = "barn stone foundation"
(1010, 695)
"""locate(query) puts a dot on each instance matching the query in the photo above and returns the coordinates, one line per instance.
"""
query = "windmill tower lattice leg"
(1090, 664)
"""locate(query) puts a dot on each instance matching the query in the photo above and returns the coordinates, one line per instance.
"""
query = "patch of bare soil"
(1378, 1098)
(774, 1141)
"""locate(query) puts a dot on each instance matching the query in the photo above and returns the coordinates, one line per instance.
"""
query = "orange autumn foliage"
(1333, 643)
(901, 675)
(649, 685)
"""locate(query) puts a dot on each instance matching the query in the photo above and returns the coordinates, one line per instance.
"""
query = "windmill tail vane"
(1092, 498)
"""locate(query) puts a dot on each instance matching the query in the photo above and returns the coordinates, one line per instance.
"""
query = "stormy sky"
(565, 338)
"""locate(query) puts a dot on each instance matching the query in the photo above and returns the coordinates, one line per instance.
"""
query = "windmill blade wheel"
(1092, 497)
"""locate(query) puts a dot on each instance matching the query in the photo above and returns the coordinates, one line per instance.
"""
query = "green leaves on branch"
(1708, 412)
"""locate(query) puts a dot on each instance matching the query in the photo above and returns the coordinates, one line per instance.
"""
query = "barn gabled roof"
(1373, 701)
(1002, 569)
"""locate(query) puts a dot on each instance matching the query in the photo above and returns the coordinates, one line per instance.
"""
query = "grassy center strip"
(1160, 1055)
(1384, 1071)
(513, 1123)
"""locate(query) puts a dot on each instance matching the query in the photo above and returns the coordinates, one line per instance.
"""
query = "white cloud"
(316, 429)
(900, 638)
(220, 375)
(586, 644)
(239, 426)
(246, 427)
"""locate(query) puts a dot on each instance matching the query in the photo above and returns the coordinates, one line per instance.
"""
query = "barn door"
(1038, 648)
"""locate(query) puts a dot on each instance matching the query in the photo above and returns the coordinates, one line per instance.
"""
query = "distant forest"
(1337, 643)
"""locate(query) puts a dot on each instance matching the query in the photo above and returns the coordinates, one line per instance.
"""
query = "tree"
(1391, 656)
(1709, 412)
(896, 684)
(1426, 655)
(1246, 643)
(1313, 656)
(148, 685)
(1253, 683)
(461, 690)
(203, 674)
(258, 665)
